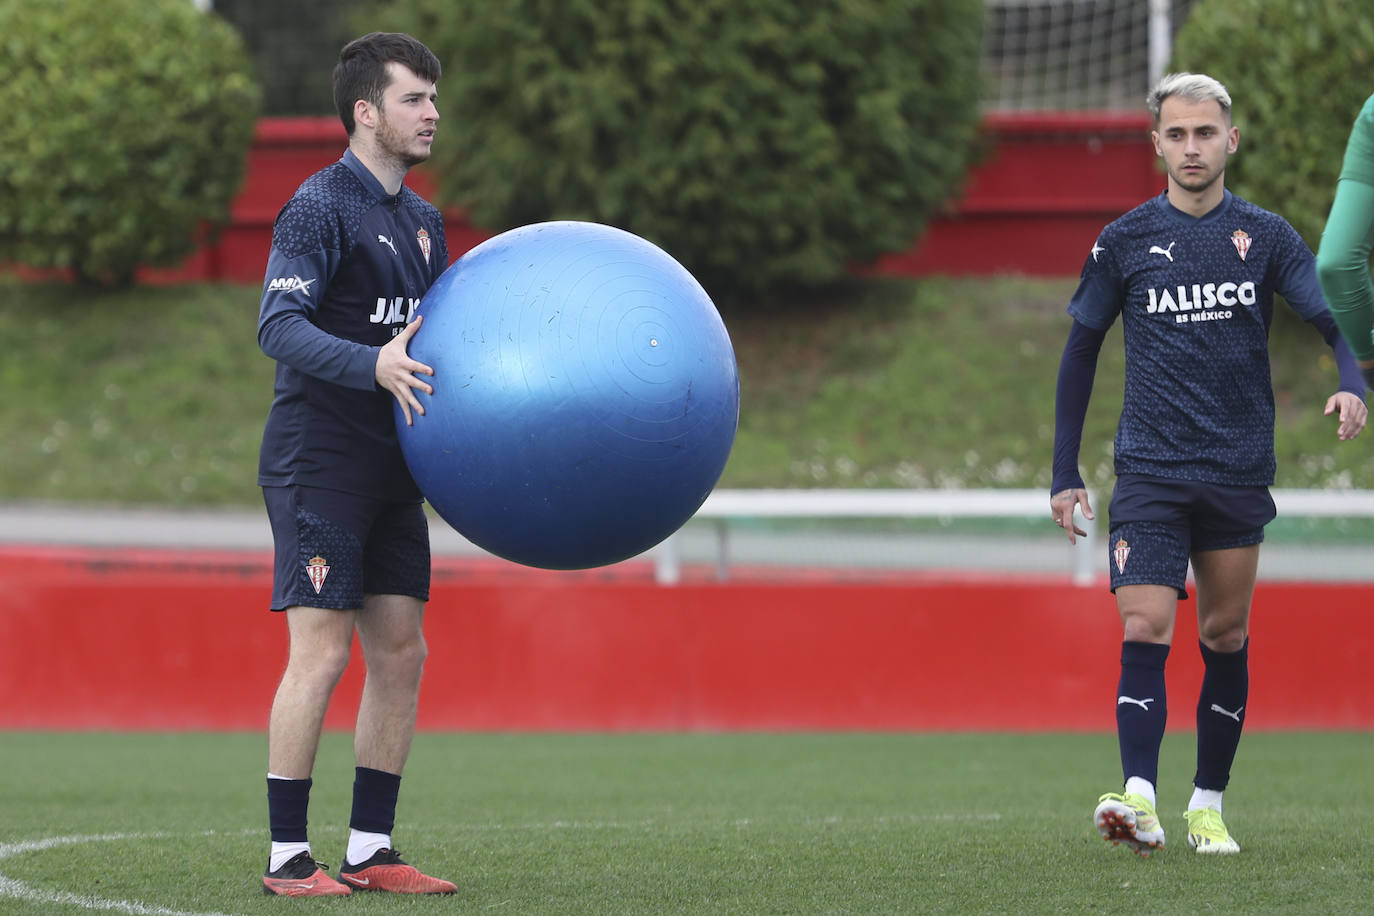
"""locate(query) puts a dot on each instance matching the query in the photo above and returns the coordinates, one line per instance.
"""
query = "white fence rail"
(1086, 558)
(724, 506)
(1325, 503)
(722, 523)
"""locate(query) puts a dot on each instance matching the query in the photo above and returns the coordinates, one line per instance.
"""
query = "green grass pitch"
(172, 824)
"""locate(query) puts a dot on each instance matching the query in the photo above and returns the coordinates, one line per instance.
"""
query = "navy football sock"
(1141, 708)
(374, 800)
(1220, 714)
(287, 802)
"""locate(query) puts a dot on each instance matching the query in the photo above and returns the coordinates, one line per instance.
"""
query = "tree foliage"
(766, 145)
(128, 134)
(1298, 72)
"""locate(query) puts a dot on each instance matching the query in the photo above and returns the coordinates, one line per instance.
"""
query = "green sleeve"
(1343, 256)
(1359, 151)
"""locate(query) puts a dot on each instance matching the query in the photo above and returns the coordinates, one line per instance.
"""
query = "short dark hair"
(361, 71)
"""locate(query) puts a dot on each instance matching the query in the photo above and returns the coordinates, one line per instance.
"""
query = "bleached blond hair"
(1195, 87)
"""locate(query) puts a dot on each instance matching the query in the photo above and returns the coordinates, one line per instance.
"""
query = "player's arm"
(305, 253)
(286, 333)
(1343, 269)
(1348, 401)
(1073, 390)
(1343, 258)
(1347, 404)
(1346, 363)
(1297, 283)
(1094, 307)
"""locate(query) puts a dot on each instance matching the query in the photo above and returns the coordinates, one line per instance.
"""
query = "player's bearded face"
(1195, 139)
(407, 118)
(401, 141)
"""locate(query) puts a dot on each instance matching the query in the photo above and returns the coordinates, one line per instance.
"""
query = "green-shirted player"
(1343, 257)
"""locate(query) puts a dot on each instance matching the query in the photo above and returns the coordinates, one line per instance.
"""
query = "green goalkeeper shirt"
(1359, 151)
(1343, 257)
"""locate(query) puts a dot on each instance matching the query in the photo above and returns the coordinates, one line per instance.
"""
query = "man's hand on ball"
(396, 372)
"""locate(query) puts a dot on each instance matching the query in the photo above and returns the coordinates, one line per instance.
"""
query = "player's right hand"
(396, 372)
(1061, 511)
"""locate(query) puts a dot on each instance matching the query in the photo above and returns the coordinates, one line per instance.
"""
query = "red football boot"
(302, 876)
(385, 871)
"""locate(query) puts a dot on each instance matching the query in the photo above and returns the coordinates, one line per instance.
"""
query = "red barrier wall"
(93, 639)
(1034, 205)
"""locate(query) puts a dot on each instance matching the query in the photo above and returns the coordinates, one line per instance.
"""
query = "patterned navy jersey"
(349, 264)
(1196, 298)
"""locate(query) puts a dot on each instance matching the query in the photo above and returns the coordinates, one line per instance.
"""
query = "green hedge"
(127, 133)
(767, 145)
(1298, 72)
(294, 49)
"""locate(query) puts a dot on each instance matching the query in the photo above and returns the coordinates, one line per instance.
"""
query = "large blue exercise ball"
(585, 399)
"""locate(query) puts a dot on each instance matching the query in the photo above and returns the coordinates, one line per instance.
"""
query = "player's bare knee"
(1145, 629)
(398, 661)
(321, 665)
(1223, 638)
(413, 655)
(1223, 628)
(1146, 622)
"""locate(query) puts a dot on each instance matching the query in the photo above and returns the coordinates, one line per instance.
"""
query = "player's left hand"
(1351, 411)
(397, 372)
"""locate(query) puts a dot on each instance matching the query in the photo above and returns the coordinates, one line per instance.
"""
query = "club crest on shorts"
(423, 238)
(1119, 553)
(1241, 239)
(317, 569)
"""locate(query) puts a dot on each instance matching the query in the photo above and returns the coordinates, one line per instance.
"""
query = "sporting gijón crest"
(423, 238)
(1241, 239)
(1119, 553)
(317, 569)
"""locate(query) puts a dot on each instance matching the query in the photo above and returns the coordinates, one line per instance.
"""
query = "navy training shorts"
(333, 547)
(1157, 523)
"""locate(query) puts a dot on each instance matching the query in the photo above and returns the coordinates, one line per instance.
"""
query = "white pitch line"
(10, 887)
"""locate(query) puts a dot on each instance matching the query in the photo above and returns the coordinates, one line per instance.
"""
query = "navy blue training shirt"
(349, 264)
(1196, 298)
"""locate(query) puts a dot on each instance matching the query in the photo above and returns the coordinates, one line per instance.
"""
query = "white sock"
(361, 845)
(1205, 798)
(1141, 786)
(285, 852)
